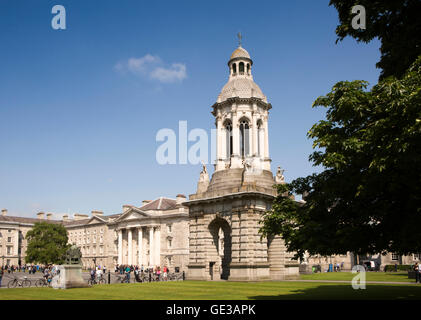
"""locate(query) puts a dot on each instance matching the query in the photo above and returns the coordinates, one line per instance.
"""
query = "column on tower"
(266, 148)
(129, 247)
(236, 163)
(219, 143)
(120, 247)
(255, 133)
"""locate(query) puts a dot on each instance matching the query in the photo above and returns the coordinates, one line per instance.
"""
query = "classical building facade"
(150, 235)
(214, 234)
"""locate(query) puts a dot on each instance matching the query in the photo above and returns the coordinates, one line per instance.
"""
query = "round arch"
(220, 256)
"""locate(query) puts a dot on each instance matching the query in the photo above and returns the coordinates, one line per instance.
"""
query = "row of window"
(244, 138)
(241, 67)
(84, 232)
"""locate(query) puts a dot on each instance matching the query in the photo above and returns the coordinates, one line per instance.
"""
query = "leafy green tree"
(396, 23)
(368, 198)
(47, 243)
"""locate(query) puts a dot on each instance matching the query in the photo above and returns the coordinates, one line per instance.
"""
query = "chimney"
(4, 212)
(65, 217)
(40, 215)
(180, 198)
(126, 207)
(80, 216)
(49, 215)
(145, 202)
(97, 213)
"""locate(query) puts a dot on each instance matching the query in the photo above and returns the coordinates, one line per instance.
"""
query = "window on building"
(395, 257)
(234, 69)
(248, 68)
(9, 250)
(9, 230)
(9, 239)
(101, 250)
(241, 68)
(100, 239)
(169, 228)
(417, 256)
(244, 138)
(169, 243)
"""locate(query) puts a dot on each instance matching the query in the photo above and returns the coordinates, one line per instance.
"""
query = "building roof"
(160, 204)
(242, 88)
(25, 220)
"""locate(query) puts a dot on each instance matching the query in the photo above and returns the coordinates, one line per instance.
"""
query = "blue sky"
(77, 127)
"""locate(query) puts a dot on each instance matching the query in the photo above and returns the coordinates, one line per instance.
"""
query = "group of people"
(156, 272)
(30, 268)
(97, 273)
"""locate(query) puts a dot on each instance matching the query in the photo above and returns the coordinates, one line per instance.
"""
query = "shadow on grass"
(344, 292)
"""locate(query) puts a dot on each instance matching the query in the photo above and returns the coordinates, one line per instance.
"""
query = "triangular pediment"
(133, 214)
(95, 220)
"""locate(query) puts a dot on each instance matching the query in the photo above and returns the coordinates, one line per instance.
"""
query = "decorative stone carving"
(203, 183)
(279, 178)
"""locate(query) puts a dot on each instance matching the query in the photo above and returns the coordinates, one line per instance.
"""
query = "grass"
(370, 276)
(202, 290)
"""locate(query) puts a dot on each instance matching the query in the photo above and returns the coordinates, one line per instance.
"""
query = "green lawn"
(190, 290)
(370, 276)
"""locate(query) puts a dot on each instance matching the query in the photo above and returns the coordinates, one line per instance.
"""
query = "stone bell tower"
(225, 212)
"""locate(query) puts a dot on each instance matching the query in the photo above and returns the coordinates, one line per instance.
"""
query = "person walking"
(1, 274)
(128, 274)
(417, 273)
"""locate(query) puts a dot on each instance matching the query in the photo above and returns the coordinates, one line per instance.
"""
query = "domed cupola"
(240, 63)
(240, 83)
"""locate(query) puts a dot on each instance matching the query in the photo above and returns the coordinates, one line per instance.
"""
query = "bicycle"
(101, 280)
(25, 283)
(43, 282)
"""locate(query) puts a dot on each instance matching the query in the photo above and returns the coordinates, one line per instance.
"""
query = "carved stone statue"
(73, 255)
(203, 183)
(279, 178)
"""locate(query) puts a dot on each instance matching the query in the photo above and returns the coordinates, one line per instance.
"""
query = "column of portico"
(120, 247)
(157, 246)
(151, 246)
(129, 247)
(140, 246)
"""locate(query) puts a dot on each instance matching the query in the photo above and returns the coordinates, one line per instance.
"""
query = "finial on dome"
(240, 37)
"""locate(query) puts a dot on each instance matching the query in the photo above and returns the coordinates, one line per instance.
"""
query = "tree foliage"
(368, 198)
(47, 243)
(396, 23)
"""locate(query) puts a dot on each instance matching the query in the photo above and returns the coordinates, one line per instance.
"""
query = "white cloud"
(177, 72)
(153, 67)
